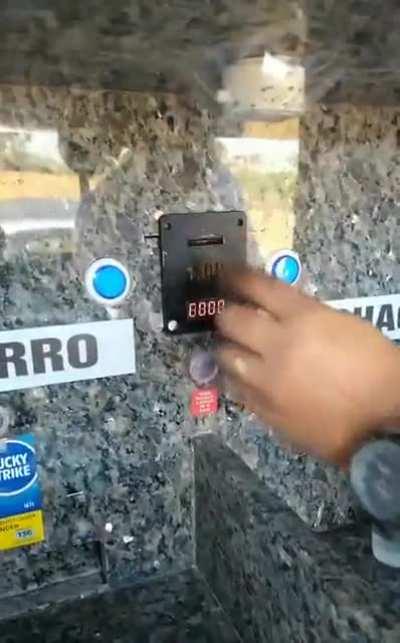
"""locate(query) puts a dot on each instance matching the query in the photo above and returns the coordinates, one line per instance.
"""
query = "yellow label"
(21, 530)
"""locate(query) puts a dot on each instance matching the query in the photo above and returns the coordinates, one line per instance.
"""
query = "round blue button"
(110, 282)
(287, 269)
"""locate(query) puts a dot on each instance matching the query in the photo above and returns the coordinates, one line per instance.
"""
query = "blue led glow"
(110, 282)
(287, 269)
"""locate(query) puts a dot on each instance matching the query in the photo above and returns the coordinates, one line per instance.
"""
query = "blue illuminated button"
(107, 281)
(286, 266)
(110, 282)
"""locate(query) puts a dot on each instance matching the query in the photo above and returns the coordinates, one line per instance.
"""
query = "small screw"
(173, 325)
(167, 226)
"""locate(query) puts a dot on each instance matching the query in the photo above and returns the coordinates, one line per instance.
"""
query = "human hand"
(325, 380)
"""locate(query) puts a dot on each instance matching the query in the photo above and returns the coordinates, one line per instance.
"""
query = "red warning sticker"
(204, 402)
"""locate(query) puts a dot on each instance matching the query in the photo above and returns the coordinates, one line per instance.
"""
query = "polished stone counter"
(278, 581)
(175, 609)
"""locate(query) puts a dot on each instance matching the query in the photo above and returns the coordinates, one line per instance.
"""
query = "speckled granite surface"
(345, 211)
(176, 609)
(348, 205)
(320, 494)
(85, 175)
(350, 49)
(103, 45)
(277, 580)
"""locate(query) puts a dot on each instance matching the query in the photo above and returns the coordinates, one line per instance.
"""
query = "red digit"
(212, 308)
(192, 311)
(221, 306)
(202, 309)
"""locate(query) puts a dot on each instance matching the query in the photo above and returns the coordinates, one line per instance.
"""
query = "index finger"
(257, 288)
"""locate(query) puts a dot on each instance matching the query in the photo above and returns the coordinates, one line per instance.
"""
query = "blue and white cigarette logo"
(18, 469)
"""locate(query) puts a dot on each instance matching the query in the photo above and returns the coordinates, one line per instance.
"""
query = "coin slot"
(203, 242)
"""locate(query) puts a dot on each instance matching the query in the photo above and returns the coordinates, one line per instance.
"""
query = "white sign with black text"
(54, 354)
(382, 311)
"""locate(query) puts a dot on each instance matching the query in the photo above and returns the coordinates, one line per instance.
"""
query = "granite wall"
(342, 212)
(87, 174)
(84, 175)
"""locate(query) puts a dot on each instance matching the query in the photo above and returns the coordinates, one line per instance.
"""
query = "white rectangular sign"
(53, 354)
(382, 311)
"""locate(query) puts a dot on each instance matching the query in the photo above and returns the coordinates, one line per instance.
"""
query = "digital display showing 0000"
(206, 308)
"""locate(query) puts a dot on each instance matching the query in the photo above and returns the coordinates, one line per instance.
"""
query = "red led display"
(204, 309)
